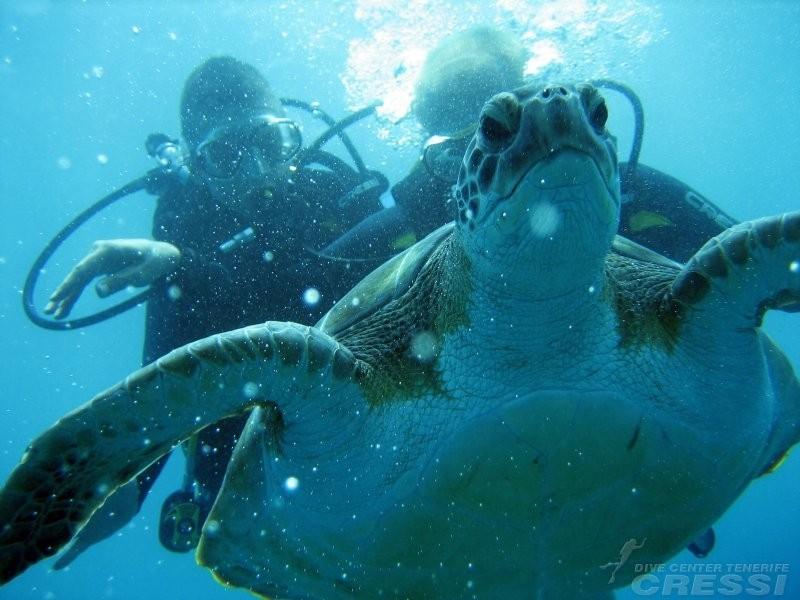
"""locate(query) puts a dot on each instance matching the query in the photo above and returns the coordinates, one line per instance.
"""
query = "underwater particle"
(794, 266)
(291, 484)
(268, 256)
(174, 292)
(172, 36)
(250, 390)
(136, 29)
(102, 158)
(207, 450)
(64, 163)
(355, 301)
(311, 296)
(98, 72)
(7, 60)
(424, 346)
(591, 289)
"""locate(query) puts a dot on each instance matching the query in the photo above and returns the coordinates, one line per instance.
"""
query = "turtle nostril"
(599, 116)
(554, 91)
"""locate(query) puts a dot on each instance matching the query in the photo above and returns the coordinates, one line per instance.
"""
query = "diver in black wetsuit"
(458, 76)
(232, 245)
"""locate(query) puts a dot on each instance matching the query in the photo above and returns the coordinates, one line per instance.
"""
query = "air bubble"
(544, 219)
(311, 296)
(211, 527)
(424, 346)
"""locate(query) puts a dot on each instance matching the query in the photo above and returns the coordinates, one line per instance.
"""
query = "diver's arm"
(120, 263)
(425, 199)
(376, 236)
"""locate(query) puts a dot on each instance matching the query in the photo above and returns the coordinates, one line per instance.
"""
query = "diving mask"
(266, 138)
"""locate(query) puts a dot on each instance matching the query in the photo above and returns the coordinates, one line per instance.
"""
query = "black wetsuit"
(658, 211)
(262, 278)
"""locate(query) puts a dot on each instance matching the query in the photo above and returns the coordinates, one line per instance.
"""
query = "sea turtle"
(508, 409)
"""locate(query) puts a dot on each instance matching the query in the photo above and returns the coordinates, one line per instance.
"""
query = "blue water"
(83, 83)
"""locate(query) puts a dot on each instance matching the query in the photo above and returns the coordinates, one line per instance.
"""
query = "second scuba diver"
(458, 76)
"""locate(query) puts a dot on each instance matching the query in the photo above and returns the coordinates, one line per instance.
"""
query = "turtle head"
(538, 189)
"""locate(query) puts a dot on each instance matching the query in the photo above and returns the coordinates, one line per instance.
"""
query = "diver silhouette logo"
(624, 554)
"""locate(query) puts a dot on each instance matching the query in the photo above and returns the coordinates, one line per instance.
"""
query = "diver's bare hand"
(123, 263)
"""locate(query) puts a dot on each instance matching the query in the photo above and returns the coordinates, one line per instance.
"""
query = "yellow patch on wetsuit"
(404, 241)
(331, 225)
(644, 219)
(777, 464)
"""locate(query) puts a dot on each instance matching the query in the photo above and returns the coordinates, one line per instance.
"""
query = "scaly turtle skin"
(498, 412)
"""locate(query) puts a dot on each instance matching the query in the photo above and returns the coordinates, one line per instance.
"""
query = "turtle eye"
(599, 116)
(499, 122)
(494, 132)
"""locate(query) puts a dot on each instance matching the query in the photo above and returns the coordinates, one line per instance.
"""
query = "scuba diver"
(233, 239)
(457, 77)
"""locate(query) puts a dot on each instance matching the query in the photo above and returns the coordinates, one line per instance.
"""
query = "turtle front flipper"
(70, 470)
(741, 273)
